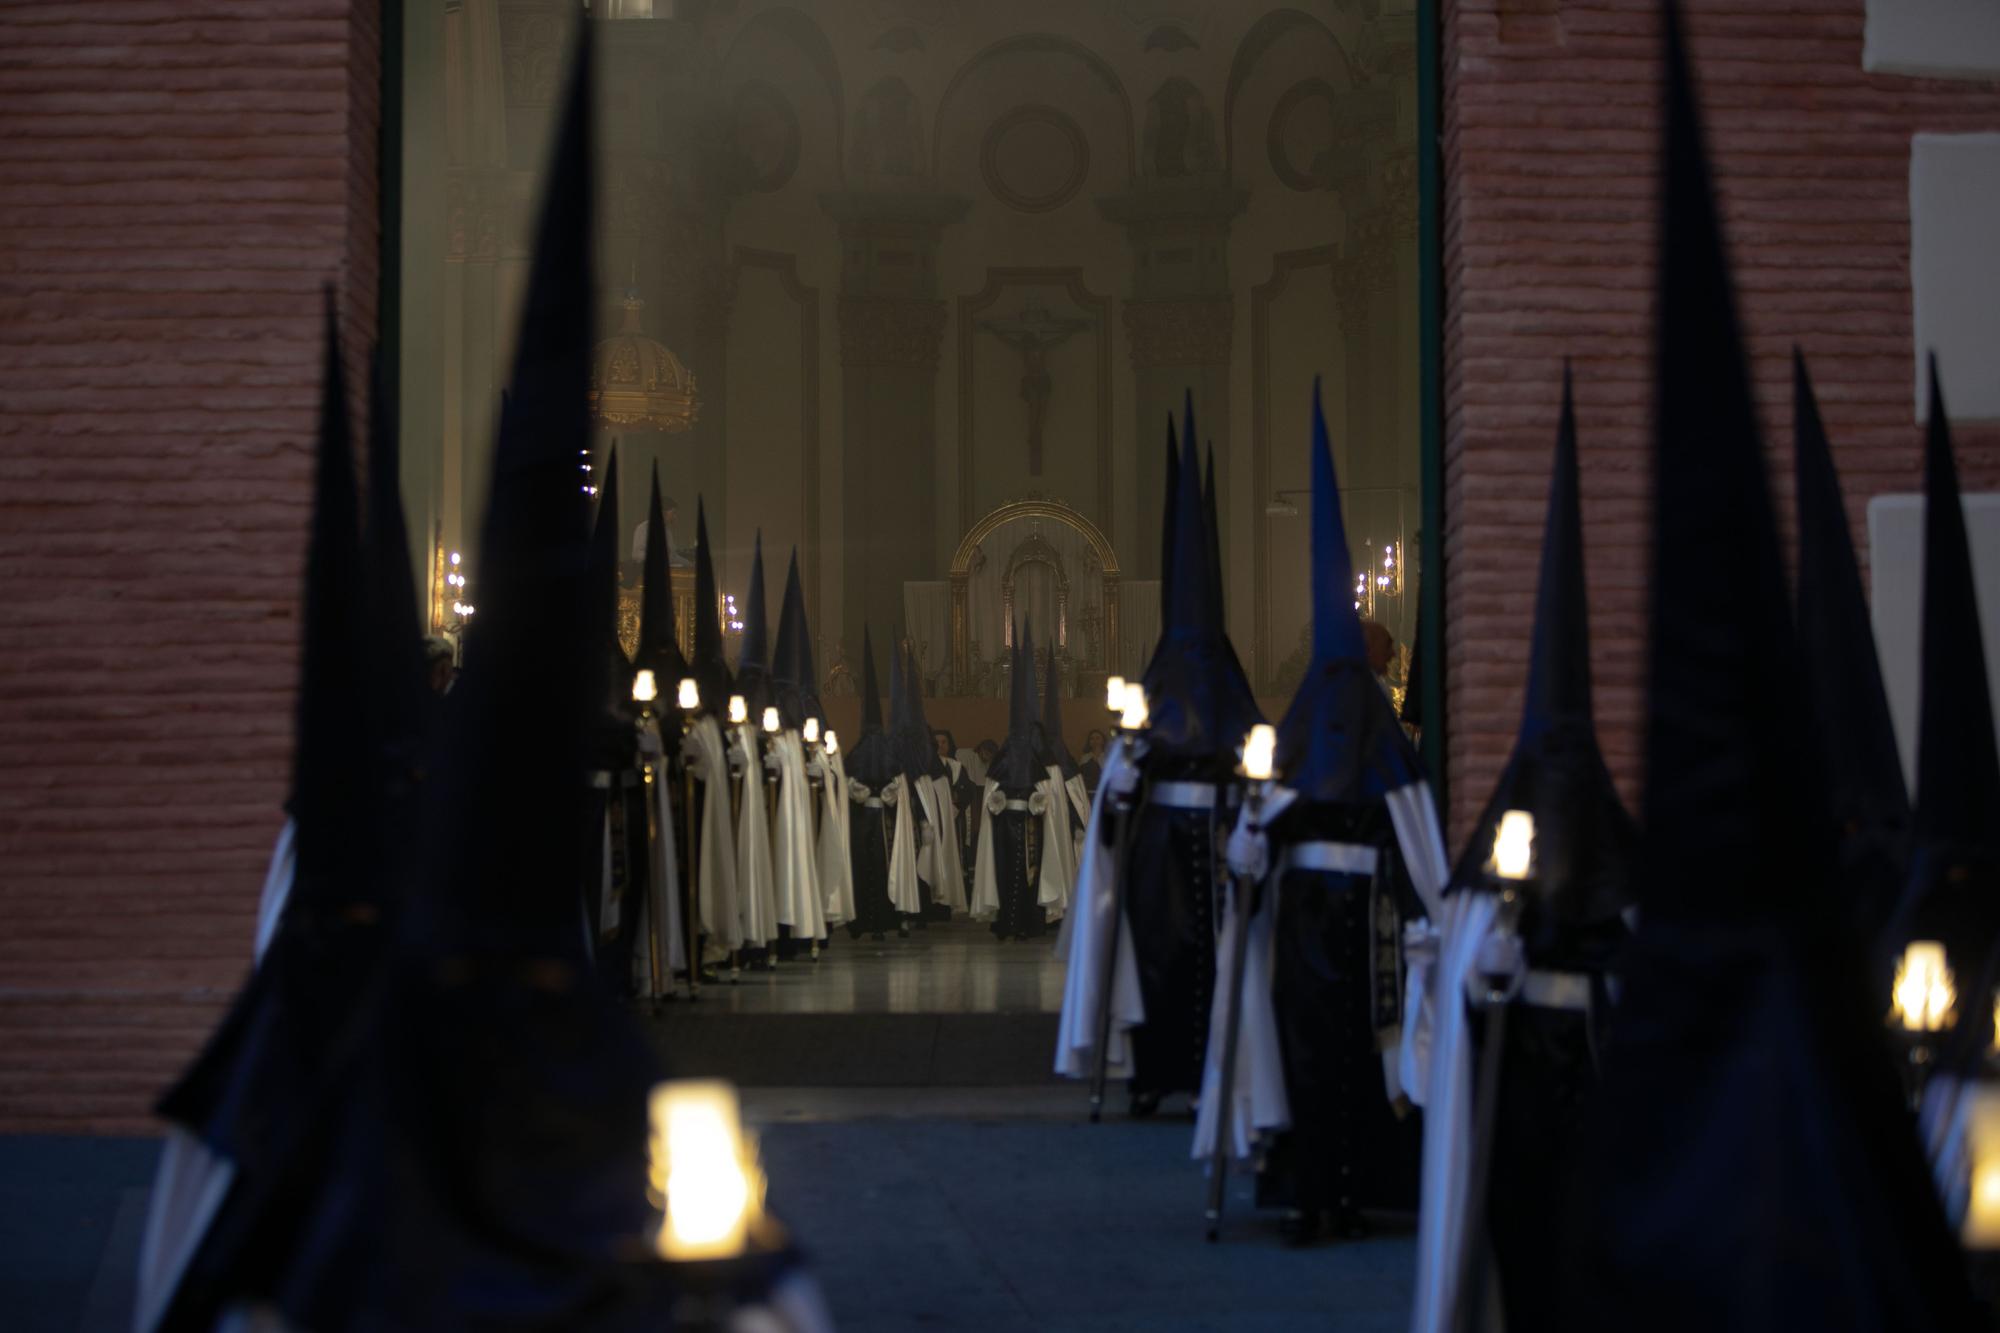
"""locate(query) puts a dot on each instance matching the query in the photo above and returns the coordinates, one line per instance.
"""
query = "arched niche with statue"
(1033, 558)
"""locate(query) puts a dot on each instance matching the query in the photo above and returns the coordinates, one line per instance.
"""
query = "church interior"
(786, 665)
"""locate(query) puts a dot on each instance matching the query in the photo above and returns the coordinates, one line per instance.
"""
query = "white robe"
(903, 894)
(985, 903)
(757, 890)
(836, 866)
(716, 899)
(1056, 878)
(940, 866)
(1085, 933)
(1258, 1102)
(661, 947)
(191, 1182)
(794, 853)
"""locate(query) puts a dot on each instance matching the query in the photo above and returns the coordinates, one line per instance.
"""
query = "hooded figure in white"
(756, 761)
(794, 844)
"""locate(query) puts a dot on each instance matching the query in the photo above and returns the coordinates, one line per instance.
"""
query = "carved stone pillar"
(1179, 326)
(891, 328)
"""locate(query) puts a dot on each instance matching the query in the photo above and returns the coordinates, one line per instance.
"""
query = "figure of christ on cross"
(1033, 333)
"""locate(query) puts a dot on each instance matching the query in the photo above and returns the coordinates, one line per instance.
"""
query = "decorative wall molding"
(970, 307)
(786, 268)
(891, 331)
(1016, 194)
(1263, 653)
(1180, 331)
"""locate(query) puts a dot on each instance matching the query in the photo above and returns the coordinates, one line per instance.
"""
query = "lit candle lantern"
(739, 712)
(811, 731)
(1135, 711)
(771, 720)
(1514, 846)
(1114, 694)
(689, 696)
(1260, 748)
(645, 688)
(832, 742)
(704, 1170)
(1925, 993)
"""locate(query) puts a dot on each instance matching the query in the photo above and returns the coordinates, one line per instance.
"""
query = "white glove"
(996, 800)
(1249, 853)
(891, 792)
(1126, 780)
(857, 791)
(1038, 804)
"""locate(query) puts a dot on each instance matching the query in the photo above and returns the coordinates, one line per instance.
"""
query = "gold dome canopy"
(638, 381)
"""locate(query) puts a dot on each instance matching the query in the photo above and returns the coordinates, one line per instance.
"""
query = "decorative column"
(891, 327)
(1179, 325)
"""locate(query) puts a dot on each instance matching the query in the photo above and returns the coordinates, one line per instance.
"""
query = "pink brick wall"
(1551, 135)
(176, 183)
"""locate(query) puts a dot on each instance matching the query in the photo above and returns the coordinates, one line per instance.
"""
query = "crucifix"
(1033, 333)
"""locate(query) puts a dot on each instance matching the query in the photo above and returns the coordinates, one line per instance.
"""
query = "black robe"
(1014, 869)
(868, 853)
(1170, 904)
(1336, 985)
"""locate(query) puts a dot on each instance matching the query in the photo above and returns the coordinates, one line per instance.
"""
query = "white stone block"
(1939, 39)
(1955, 268)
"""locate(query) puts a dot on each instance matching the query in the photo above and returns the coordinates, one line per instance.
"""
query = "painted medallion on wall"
(1301, 137)
(1034, 159)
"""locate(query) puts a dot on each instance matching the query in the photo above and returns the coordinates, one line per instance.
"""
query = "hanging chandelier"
(637, 381)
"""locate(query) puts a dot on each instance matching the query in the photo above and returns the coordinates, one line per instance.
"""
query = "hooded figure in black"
(794, 844)
(1555, 934)
(1006, 880)
(1350, 812)
(753, 659)
(1953, 894)
(237, 1111)
(1747, 1161)
(614, 867)
(1062, 791)
(1856, 737)
(872, 768)
(709, 667)
(1199, 710)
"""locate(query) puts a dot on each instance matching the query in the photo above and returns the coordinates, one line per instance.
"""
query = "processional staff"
(1129, 701)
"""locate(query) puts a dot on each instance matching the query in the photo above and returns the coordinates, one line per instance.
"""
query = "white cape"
(661, 946)
(836, 864)
(985, 883)
(715, 844)
(794, 854)
(757, 892)
(903, 894)
(1056, 878)
(1089, 928)
(939, 864)
(1258, 1103)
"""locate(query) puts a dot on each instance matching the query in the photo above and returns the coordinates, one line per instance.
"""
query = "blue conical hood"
(784, 654)
(1056, 749)
(659, 646)
(1018, 766)
(871, 758)
(1339, 742)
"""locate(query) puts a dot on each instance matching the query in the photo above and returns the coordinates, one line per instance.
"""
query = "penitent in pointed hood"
(1586, 844)
(1748, 1160)
(871, 758)
(1953, 889)
(1857, 741)
(1339, 742)
(395, 635)
(709, 667)
(753, 660)
(1198, 699)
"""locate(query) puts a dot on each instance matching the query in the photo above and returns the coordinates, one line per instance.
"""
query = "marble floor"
(954, 967)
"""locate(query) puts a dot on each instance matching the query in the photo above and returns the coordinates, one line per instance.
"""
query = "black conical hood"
(332, 767)
(1339, 742)
(925, 745)
(1748, 1161)
(1857, 741)
(871, 757)
(1958, 772)
(1057, 751)
(395, 634)
(753, 660)
(808, 670)
(1018, 766)
(1169, 514)
(1586, 844)
(1199, 701)
(709, 667)
(784, 652)
(659, 646)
